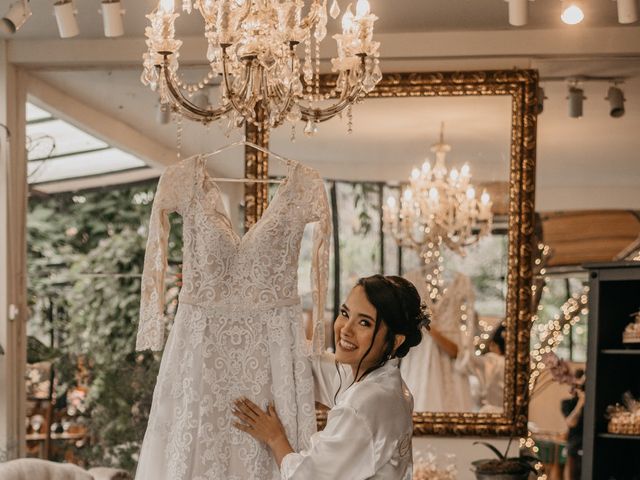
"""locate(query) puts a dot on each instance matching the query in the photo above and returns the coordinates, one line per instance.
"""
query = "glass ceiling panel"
(36, 113)
(59, 151)
(68, 139)
(80, 165)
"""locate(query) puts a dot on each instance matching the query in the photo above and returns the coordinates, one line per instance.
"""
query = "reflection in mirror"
(459, 366)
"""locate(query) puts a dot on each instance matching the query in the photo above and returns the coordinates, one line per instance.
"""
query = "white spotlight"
(66, 18)
(627, 11)
(576, 96)
(19, 12)
(163, 113)
(616, 102)
(572, 13)
(518, 12)
(112, 18)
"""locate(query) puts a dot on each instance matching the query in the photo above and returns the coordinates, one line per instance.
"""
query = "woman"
(369, 426)
(488, 369)
(429, 369)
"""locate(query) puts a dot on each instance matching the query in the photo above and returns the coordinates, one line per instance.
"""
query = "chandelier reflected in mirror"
(438, 207)
(254, 46)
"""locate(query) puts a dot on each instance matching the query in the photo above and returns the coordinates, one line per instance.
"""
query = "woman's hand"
(264, 426)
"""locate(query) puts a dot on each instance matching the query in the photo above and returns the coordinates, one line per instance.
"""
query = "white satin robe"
(369, 428)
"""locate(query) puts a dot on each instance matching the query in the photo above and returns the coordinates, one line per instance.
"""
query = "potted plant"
(504, 467)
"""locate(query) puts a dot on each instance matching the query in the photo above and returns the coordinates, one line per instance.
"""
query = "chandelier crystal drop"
(438, 207)
(253, 45)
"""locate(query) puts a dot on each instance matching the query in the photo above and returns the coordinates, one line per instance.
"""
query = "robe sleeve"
(169, 197)
(344, 449)
(320, 214)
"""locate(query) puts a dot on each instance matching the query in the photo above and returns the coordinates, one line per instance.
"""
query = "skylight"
(59, 151)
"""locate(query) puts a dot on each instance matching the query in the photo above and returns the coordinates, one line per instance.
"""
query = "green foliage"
(85, 257)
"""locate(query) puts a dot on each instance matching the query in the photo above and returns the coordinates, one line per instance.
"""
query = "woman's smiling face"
(354, 330)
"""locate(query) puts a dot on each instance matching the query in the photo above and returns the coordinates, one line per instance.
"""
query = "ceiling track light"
(571, 12)
(518, 12)
(18, 13)
(576, 98)
(112, 14)
(616, 101)
(65, 14)
(627, 11)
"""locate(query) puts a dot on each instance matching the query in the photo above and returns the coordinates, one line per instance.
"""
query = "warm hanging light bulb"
(572, 13)
(426, 167)
(415, 174)
(362, 8)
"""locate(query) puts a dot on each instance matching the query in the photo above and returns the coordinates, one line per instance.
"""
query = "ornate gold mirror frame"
(521, 85)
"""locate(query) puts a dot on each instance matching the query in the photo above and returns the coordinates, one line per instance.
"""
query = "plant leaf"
(492, 448)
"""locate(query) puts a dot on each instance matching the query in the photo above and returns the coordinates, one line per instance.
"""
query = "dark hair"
(498, 338)
(398, 305)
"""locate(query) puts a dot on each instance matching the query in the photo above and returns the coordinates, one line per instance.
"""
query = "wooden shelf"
(613, 295)
(39, 437)
(620, 351)
(619, 436)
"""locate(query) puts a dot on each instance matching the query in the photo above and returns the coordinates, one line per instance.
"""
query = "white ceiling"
(590, 162)
(394, 16)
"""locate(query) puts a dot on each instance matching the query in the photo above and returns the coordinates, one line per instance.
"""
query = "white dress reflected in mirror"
(428, 370)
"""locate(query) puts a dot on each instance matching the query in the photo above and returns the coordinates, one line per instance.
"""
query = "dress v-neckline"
(221, 210)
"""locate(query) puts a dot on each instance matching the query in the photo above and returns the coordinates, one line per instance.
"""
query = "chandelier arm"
(288, 104)
(324, 114)
(186, 104)
(230, 95)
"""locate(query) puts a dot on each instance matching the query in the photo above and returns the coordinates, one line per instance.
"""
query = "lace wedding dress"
(238, 328)
(429, 371)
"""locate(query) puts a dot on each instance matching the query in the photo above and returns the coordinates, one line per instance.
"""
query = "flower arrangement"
(624, 419)
(430, 466)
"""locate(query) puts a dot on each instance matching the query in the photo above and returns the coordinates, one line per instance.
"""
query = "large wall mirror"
(468, 376)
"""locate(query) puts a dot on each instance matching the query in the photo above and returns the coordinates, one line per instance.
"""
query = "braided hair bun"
(398, 305)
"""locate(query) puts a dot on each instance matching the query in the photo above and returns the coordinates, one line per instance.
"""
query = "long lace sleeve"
(320, 214)
(168, 198)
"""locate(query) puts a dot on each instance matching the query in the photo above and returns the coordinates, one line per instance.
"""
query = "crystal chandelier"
(438, 207)
(253, 46)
